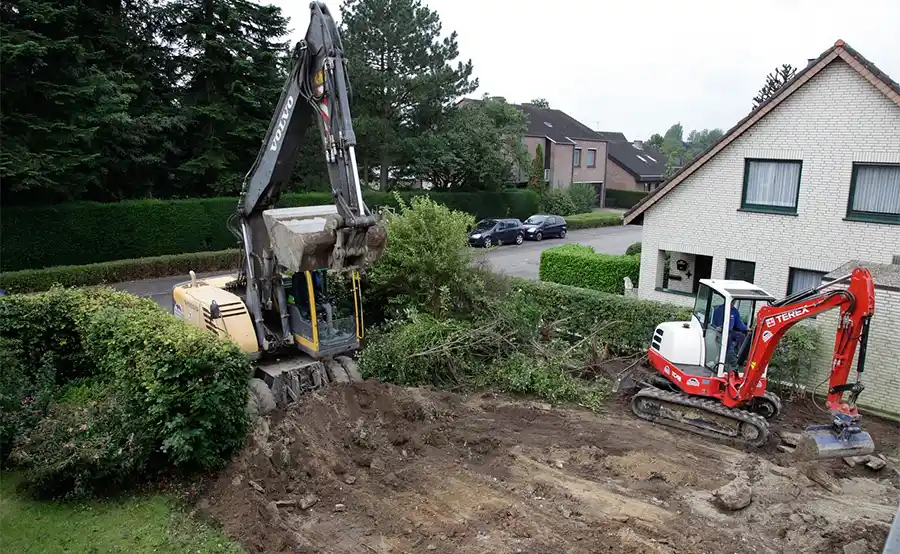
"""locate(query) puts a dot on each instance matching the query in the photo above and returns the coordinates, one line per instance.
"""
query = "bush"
(579, 266)
(87, 232)
(584, 197)
(139, 391)
(34, 280)
(558, 202)
(633, 249)
(616, 198)
(792, 363)
(593, 220)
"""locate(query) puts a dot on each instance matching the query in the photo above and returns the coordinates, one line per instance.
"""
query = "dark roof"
(556, 125)
(645, 163)
(886, 276)
(612, 136)
(840, 49)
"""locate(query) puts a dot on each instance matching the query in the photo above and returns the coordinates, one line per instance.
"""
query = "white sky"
(638, 67)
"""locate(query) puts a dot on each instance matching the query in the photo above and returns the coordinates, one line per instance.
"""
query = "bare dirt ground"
(374, 468)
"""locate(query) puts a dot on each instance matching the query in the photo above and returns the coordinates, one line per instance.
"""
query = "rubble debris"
(735, 495)
(819, 475)
(308, 501)
(859, 546)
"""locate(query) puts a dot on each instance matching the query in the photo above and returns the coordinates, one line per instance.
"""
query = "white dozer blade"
(304, 238)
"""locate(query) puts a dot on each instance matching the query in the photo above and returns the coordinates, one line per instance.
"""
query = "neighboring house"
(802, 185)
(634, 166)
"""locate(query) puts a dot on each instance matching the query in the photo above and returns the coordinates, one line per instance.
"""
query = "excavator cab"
(325, 315)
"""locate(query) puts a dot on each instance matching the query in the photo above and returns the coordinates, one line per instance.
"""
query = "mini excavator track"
(703, 416)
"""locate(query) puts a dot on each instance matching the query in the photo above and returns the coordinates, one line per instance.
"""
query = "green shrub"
(633, 249)
(593, 220)
(34, 280)
(793, 360)
(579, 266)
(625, 199)
(584, 197)
(155, 393)
(558, 202)
(87, 232)
(25, 393)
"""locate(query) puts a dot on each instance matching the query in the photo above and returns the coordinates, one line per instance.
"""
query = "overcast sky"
(638, 67)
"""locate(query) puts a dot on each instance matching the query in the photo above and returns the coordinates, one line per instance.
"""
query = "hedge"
(87, 232)
(135, 392)
(616, 198)
(593, 220)
(33, 280)
(579, 266)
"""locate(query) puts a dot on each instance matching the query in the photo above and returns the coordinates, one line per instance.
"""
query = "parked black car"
(490, 232)
(541, 226)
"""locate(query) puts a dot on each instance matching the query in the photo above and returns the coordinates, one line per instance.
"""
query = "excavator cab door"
(705, 307)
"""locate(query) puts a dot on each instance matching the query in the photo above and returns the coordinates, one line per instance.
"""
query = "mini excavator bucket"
(842, 439)
(315, 237)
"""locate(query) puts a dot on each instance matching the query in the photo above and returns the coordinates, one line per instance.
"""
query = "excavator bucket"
(305, 239)
(842, 439)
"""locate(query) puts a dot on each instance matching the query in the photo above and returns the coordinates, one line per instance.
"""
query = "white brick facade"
(835, 119)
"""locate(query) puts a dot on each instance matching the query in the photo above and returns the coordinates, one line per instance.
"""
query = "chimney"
(639, 144)
(809, 61)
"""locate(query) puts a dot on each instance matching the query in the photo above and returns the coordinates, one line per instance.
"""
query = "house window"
(576, 161)
(592, 157)
(875, 193)
(740, 270)
(803, 279)
(771, 186)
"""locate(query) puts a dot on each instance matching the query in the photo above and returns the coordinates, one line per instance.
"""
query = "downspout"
(572, 175)
(603, 186)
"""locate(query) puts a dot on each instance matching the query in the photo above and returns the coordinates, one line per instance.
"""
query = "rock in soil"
(857, 547)
(736, 495)
(308, 501)
(817, 474)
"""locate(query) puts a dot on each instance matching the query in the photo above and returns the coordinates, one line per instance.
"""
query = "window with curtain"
(771, 185)
(875, 193)
(803, 279)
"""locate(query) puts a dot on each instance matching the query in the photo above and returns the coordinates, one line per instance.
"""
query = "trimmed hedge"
(593, 220)
(88, 232)
(33, 280)
(136, 392)
(616, 198)
(579, 266)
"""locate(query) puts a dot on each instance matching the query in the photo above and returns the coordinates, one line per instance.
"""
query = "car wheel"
(487, 242)
(539, 236)
(562, 234)
(520, 238)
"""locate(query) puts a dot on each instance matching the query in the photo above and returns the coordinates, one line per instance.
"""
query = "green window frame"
(891, 176)
(751, 200)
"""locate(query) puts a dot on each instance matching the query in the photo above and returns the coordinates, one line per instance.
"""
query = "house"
(634, 166)
(802, 185)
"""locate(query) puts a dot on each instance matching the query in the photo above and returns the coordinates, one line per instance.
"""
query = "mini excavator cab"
(321, 323)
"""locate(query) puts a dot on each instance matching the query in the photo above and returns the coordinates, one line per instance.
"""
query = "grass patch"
(151, 523)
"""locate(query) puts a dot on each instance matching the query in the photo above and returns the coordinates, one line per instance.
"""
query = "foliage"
(558, 202)
(680, 152)
(87, 232)
(792, 363)
(24, 393)
(536, 180)
(578, 265)
(427, 263)
(633, 249)
(34, 280)
(617, 198)
(540, 103)
(584, 197)
(140, 524)
(655, 140)
(173, 395)
(403, 76)
(478, 147)
(774, 81)
(593, 220)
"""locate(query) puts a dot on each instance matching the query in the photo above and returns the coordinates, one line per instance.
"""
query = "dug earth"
(376, 468)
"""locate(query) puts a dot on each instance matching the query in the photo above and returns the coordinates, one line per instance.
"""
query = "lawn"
(147, 523)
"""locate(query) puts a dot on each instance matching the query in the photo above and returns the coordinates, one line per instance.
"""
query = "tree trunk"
(385, 168)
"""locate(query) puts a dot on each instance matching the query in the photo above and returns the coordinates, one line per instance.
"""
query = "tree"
(774, 81)
(403, 77)
(699, 141)
(655, 140)
(540, 103)
(536, 180)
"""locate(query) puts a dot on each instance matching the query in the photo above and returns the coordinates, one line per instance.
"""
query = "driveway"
(519, 261)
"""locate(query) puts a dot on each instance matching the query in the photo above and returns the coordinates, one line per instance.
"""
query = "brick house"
(634, 166)
(803, 185)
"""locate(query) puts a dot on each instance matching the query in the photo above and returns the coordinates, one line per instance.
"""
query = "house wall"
(585, 174)
(618, 178)
(561, 165)
(833, 120)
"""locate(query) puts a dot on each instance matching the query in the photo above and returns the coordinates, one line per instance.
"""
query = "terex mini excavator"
(711, 381)
(278, 303)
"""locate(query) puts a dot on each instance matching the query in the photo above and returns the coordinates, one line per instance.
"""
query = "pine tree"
(536, 180)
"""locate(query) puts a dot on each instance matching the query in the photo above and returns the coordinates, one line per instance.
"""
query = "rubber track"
(710, 406)
(774, 399)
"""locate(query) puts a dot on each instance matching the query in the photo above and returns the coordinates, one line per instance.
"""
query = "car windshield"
(535, 220)
(485, 224)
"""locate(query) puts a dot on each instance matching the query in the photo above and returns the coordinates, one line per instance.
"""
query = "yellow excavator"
(277, 307)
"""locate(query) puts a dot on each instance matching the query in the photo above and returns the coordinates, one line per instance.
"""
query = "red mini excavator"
(712, 370)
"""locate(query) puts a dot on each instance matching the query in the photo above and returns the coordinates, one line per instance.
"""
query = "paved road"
(520, 261)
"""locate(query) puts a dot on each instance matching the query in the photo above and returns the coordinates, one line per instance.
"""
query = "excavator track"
(700, 415)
